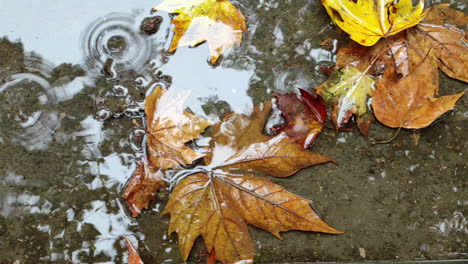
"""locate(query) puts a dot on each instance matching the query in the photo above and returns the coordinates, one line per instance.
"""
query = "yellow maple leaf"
(366, 21)
(217, 22)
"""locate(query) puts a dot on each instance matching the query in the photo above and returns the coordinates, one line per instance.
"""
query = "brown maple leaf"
(169, 128)
(438, 33)
(410, 102)
(219, 200)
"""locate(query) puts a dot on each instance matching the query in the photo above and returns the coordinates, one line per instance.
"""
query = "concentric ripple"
(26, 116)
(115, 36)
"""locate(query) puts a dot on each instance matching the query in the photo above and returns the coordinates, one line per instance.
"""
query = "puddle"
(74, 76)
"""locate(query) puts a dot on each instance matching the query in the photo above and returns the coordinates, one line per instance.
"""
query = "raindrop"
(115, 36)
(26, 116)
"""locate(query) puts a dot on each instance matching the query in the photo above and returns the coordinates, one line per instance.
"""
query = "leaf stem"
(388, 140)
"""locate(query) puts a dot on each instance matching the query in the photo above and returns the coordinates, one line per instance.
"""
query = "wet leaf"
(217, 22)
(170, 128)
(438, 33)
(133, 257)
(142, 187)
(305, 116)
(366, 21)
(219, 201)
(348, 90)
(410, 102)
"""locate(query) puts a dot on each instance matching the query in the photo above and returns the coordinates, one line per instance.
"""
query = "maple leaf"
(133, 257)
(436, 39)
(217, 22)
(366, 21)
(410, 102)
(438, 33)
(218, 201)
(169, 128)
(305, 116)
(348, 90)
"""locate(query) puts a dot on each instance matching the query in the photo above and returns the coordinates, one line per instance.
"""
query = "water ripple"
(115, 37)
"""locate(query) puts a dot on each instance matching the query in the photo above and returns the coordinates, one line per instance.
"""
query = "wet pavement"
(74, 76)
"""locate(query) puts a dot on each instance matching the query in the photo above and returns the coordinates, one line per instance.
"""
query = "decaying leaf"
(438, 33)
(142, 187)
(305, 116)
(410, 102)
(217, 22)
(170, 128)
(366, 21)
(133, 257)
(219, 201)
(348, 90)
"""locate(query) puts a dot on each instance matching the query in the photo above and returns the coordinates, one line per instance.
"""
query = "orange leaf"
(438, 33)
(133, 257)
(410, 102)
(142, 188)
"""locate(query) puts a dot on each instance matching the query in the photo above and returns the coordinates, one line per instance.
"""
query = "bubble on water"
(26, 114)
(120, 90)
(136, 140)
(115, 36)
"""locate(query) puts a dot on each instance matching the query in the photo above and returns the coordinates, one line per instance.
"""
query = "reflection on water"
(115, 37)
(68, 144)
(29, 120)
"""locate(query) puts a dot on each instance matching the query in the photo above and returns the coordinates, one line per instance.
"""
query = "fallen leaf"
(133, 257)
(410, 102)
(305, 116)
(366, 21)
(217, 22)
(142, 187)
(438, 33)
(348, 90)
(169, 128)
(218, 201)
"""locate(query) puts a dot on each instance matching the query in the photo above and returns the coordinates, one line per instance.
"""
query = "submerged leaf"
(218, 204)
(305, 116)
(170, 128)
(348, 90)
(133, 257)
(366, 21)
(142, 187)
(217, 22)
